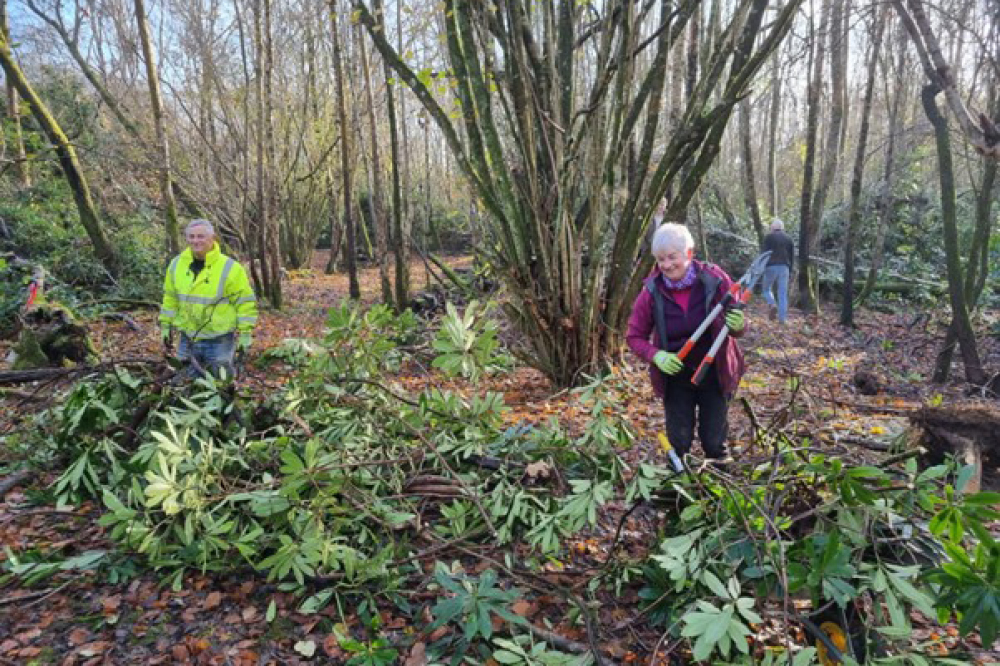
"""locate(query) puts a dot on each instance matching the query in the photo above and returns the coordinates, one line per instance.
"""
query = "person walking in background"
(674, 301)
(207, 298)
(779, 266)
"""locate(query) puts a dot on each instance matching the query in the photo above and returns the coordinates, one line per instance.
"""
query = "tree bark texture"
(346, 170)
(171, 225)
(974, 373)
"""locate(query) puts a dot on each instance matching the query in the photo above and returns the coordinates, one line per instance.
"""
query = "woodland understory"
(400, 501)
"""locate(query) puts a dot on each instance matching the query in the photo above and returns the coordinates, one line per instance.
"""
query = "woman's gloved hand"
(668, 362)
(735, 320)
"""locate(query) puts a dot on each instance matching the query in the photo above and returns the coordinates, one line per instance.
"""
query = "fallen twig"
(15, 479)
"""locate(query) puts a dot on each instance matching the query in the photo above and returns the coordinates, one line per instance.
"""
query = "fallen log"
(14, 480)
(44, 374)
(967, 431)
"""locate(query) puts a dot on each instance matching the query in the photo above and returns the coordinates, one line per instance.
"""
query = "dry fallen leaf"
(417, 656)
(78, 636)
(212, 600)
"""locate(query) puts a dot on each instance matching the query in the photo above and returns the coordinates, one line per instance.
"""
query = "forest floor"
(858, 387)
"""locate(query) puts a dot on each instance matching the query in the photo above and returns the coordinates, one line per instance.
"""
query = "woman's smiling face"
(673, 262)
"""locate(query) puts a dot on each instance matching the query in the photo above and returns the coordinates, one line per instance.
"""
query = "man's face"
(673, 263)
(200, 240)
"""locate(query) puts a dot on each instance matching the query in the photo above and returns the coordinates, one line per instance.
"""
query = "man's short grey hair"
(671, 236)
(777, 225)
(199, 223)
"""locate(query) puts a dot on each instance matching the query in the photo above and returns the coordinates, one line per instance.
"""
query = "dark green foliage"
(41, 230)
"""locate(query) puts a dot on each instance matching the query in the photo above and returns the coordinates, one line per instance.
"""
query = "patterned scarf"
(684, 283)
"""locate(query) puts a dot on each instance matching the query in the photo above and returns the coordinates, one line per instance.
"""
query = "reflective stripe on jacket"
(217, 301)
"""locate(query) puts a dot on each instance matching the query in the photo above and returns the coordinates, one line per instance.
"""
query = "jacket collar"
(187, 256)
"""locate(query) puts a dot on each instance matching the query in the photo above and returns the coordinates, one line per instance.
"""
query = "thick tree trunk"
(171, 225)
(857, 177)
(68, 160)
(956, 287)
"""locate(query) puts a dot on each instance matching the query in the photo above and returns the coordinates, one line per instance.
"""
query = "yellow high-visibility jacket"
(218, 301)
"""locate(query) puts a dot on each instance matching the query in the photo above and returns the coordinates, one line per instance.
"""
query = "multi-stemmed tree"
(558, 117)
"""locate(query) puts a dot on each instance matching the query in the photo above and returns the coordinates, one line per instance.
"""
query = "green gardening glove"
(735, 320)
(667, 362)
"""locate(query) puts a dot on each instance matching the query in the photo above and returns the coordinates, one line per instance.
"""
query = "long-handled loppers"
(737, 296)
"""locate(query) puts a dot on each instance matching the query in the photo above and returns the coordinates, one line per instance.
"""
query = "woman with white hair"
(674, 301)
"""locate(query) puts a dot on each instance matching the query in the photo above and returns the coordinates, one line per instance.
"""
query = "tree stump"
(969, 431)
(51, 337)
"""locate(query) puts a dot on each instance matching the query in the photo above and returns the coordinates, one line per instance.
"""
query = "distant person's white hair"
(671, 236)
(777, 225)
(199, 223)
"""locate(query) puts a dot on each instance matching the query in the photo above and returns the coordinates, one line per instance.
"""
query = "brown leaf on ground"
(93, 649)
(212, 601)
(109, 605)
(524, 608)
(249, 614)
(180, 652)
(417, 656)
(78, 636)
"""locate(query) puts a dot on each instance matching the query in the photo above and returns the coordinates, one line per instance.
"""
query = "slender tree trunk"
(956, 287)
(68, 160)
(162, 144)
(400, 245)
(268, 254)
(746, 162)
(772, 136)
(857, 178)
(977, 267)
(808, 225)
(379, 219)
(886, 198)
(346, 171)
(21, 167)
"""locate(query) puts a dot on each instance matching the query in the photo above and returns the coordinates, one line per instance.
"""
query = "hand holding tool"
(737, 297)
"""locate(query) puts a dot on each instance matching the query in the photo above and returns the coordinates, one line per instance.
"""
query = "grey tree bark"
(171, 226)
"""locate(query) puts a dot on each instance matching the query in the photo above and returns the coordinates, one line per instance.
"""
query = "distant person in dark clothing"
(778, 268)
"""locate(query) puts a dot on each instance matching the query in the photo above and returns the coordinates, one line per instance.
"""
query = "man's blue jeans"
(772, 274)
(209, 355)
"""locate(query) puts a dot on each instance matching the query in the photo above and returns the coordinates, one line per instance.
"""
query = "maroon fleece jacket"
(709, 288)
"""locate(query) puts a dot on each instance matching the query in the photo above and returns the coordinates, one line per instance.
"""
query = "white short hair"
(671, 236)
(199, 223)
(777, 225)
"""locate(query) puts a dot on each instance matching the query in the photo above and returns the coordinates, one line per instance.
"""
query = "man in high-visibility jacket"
(207, 298)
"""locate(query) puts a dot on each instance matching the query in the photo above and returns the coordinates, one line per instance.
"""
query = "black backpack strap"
(659, 312)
